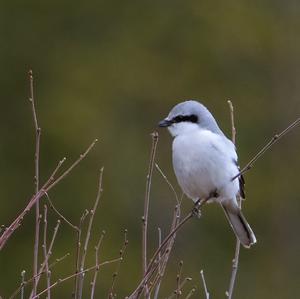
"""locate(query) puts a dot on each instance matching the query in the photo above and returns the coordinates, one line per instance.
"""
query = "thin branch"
(97, 247)
(180, 287)
(88, 234)
(48, 273)
(78, 247)
(51, 182)
(21, 287)
(235, 261)
(273, 140)
(59, 281)
(111, 294)
(204, 284)
(168, 182)
(49, 253)
(59, 214)
(152, 264)
(233, 129)
(81, 157)
(191, 293)
(154, 136)
(22, 283)
(36, 180)
(178, 279)
(159, 268)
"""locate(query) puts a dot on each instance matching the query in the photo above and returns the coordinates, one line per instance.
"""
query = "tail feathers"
(239, 225)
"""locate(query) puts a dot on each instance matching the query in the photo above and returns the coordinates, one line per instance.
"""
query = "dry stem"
(97, 247)
(111, 294)
(204, 284)
(45, 188)
(59, 281)
(36, 180)
(154, 136)
(24, 283)
(235, 261)
(273, 140)
(88, 234)
(48, 273)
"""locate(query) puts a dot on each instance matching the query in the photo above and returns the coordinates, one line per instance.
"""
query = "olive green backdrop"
(112, 70)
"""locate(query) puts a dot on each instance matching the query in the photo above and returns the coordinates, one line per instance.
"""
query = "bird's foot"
(197, 208)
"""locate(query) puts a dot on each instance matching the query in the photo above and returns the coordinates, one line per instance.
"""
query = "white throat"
(183, 128)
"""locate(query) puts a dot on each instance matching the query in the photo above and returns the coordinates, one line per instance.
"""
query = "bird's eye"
(187, 118)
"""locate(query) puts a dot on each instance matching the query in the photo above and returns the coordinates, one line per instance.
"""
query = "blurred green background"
(111, 70)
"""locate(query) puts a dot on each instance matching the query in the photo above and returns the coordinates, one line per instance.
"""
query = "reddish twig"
(49, 253)
(59, 281)
(24, 283)
(235, 261)
(46, 257)
(111, 294)
(36, 180)
(154, 136)
(51, 182)
(273, 140)
(88, 234)
(78, 247)
(97, 247)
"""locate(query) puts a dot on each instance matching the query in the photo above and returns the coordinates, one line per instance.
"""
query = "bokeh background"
(111, 70)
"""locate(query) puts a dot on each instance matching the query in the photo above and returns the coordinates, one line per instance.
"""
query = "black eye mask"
(188, 118)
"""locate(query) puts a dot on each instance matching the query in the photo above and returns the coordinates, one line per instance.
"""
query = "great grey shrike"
(205, 161)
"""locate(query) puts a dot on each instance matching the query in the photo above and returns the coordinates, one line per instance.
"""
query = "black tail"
(239, 224)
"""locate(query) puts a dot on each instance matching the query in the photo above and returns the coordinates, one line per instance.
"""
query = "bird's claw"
(196, 211)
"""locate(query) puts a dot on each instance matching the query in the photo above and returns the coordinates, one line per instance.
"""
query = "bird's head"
(187, 117)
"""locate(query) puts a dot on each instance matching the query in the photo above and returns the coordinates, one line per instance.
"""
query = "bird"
(205, 163)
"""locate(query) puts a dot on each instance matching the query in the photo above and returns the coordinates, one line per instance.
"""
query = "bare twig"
(51, 182)
(159, 267)
(59, 214)
(178, 280)
(78, 247)
(191, 293)
(48, 273)
(152, 266)
(204, 284)
(235, 261)
(111, 294)
(180, 287)
(168, 182)
(273, 140)
(233, 129)
(81, 157)
(97, 247)
(163, 258)
(88, 234)
(154, 136)
(22, 283)
(21, 287)
(59, 281)
(49, 253)
(36, 180)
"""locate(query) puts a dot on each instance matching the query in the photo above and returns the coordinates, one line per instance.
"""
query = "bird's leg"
(201, 201)
(196, 209)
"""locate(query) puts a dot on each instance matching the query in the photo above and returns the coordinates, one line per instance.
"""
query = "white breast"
(204, 162)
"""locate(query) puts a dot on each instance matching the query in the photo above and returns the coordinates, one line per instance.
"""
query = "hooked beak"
(165, 123)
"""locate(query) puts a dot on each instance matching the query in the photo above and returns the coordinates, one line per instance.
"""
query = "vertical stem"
(22, 283)
(36, 179)
(45, 253)
(93, 283)
(204, 284)
(235, 261)
(88, 234)
(154, 136)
